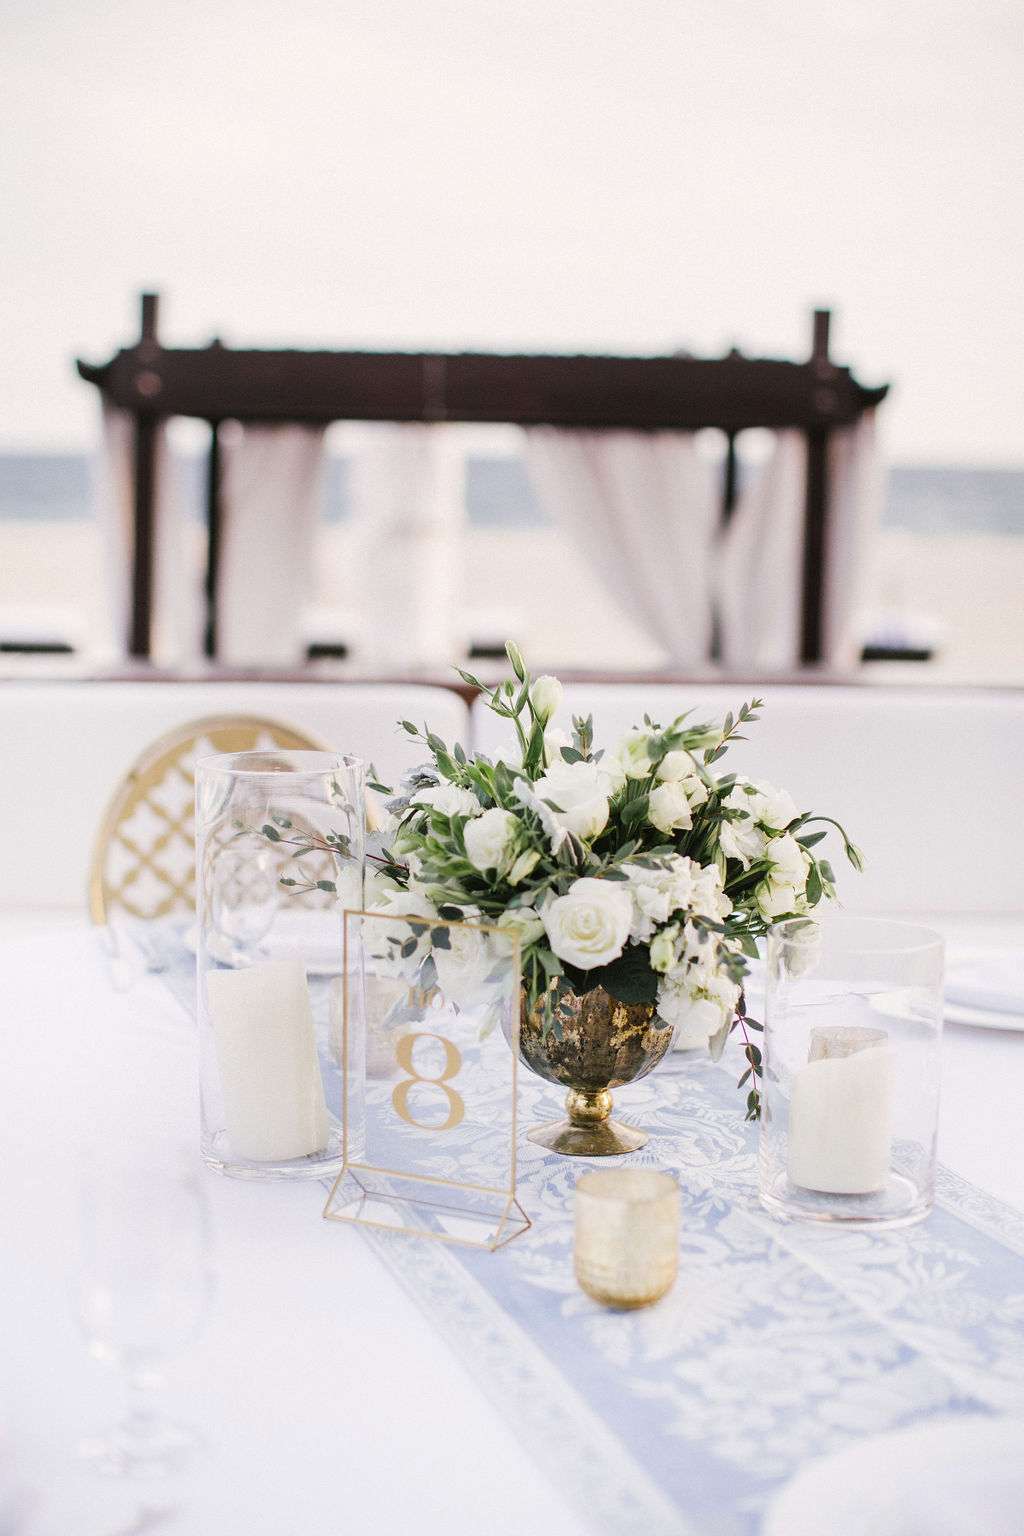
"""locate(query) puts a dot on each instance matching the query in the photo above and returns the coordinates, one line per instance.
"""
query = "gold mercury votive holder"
(627, 1235)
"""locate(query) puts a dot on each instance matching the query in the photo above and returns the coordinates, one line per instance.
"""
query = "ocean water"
(56, 487)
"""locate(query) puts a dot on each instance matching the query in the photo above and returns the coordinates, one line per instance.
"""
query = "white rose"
(576, 790)
(546, 695)
(668, 808)
(589, 925)
(490, 839)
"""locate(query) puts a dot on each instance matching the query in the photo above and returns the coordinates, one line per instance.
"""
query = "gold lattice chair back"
(144, 861)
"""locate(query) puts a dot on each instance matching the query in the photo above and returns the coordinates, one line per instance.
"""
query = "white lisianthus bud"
(784, 890)
(545, 696)
(490, 839)
(589, 925)
(742, 839)
(448, 799)
(525, 865)
(668, 808)
(776, 808)
(405, 840)
(788, 860)
(379, 888)
(663, 950)
(515, 656)
(680, 766)
(676, 765)
(632, 753)
(524, 921)
(696, 791)
(775, 901)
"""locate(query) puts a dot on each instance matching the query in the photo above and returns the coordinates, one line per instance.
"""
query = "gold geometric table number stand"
(429, 1018)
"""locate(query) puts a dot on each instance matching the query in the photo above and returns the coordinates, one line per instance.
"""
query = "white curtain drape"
(642, 507)
(408, 506)
(272, 493)
(760, 560)
(177, 621)
(857, 483)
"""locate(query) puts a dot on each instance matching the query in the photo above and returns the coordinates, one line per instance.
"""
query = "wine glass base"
(161, 1452)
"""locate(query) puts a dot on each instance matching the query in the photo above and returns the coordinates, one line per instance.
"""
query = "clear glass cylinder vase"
(850, 1097)
(280, 857)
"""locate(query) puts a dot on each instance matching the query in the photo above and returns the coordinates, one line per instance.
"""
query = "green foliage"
(548, 844)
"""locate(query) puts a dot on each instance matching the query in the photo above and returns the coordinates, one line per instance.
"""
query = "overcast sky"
(575, 175)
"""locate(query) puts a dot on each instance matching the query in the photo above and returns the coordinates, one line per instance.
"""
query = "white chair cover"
(642, 508)
(272, 493)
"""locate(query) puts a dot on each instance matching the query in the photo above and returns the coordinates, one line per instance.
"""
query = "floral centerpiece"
(643, 870)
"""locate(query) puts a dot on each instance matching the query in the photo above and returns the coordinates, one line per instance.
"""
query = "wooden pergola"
(217, 384)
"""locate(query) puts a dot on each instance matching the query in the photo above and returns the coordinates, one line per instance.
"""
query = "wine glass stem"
(141, 1418)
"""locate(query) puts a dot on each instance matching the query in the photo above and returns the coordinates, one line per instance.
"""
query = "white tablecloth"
(327, 1403)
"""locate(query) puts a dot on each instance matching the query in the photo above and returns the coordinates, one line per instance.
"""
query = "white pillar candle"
(840, 1113)
(266, 1053)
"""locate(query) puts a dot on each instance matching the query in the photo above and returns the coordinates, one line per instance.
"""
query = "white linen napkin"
(993, 981)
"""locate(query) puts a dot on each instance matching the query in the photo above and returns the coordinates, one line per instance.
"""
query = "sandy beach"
(965, 590)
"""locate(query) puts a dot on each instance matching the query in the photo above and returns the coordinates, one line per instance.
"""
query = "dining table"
(351, 1381)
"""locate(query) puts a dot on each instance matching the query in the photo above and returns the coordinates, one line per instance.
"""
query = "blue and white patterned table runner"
(779, 1343)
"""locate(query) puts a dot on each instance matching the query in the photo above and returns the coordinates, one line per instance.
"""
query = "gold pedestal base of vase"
(590, 1043)
(589, 1130)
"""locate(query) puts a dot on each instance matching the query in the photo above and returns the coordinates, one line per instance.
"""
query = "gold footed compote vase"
(591, 1043)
